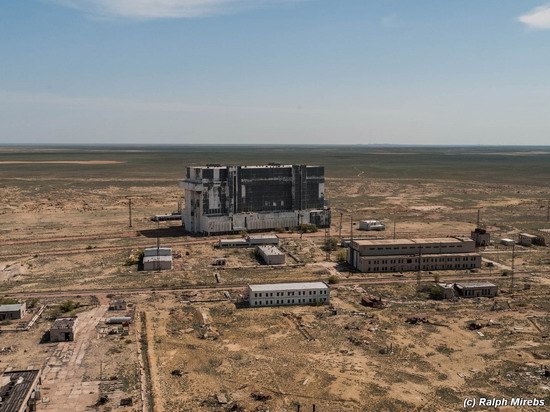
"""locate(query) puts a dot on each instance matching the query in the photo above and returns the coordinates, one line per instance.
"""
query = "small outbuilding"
(507, 242)
(271, 255)
(526, 239)
(63, 330)
(157, 258)
(12, 311)
(476, 289)
(371, 225)
(481, 237)
(118, 304)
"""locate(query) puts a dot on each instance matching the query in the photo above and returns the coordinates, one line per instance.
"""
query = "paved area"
(65, 386)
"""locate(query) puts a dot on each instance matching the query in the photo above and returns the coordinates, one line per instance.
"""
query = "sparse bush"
(332, 279)
(331, 243)
(341, 256)
(308, 228)
(68, 306)
(435, 292)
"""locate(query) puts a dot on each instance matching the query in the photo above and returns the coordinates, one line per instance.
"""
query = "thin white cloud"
(108, 103)
(538, 18)
(163, 9)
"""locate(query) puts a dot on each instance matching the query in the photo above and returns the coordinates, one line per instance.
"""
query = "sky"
(275, 72)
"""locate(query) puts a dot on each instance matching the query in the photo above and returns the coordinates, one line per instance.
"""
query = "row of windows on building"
(299, 293)
(413, 247)
(424, 267)
(289, 301)
(484, 292)
(425, 260)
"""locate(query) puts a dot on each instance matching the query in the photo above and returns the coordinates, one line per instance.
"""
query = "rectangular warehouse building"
(283, 294)
(402, 255)
(157, 258)
(226, 199)
(271, 255)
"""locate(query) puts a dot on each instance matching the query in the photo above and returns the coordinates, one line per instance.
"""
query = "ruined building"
(225, 199)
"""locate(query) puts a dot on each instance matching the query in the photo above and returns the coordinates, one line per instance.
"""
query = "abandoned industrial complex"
(402, 255)
(226, 199)
(282, 294)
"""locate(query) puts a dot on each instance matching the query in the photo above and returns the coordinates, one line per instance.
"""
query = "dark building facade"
(221, 199)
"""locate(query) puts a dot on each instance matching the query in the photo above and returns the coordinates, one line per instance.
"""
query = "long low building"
(249, 241)
(284, 294)
(271, 255)
(467, 290)
(402, 255)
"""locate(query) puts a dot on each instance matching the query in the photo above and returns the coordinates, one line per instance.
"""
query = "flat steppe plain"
(65, 235)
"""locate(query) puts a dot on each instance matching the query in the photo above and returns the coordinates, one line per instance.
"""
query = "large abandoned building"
(401, 255)
(225, 199)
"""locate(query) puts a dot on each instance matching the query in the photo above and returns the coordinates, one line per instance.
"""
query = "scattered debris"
(260, 396)
(126, 402)
(221, 398)
(475, 326)
(415, 320)
(372, 302)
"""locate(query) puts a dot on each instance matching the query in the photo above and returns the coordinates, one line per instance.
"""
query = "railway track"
(241, 286)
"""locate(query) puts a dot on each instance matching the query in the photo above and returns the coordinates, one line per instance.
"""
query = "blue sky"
(275, 71)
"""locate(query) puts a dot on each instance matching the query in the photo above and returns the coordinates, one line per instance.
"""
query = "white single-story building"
(271, 255)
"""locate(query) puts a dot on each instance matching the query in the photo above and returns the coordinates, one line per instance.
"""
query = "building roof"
(15, 393)
(14, 307)
(528, 235)
(148, 259)
(154, 251)
(475, 285)
(273, 287)
(418, 241)
(238, 240)
(64, 323)
(270, 250)
(262, 237)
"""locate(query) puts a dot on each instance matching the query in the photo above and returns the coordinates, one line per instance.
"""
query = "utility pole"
(418, 275)
(351, 226)
(130, 212)
(340, 230)
(548, 210)
(394, 229)
(513, 268)
(329, 243)
(158, 246)
(478, 215)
